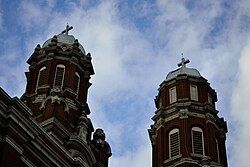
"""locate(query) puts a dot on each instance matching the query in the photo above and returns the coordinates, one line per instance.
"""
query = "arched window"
(76, 82)
(59, 76)
(174, 143)
(197, 141)
(41, 77)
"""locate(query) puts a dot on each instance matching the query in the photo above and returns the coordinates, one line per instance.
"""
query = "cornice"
(82, 61)
(181, 161)
(183, 77)
(165, 116)
(82, 146)
(54, 121)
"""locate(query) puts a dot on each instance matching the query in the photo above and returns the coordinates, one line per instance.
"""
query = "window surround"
(197, 129)
(59, 66)
(193, 92)
(209, 98)
(217, 150)
(38, 77)
(173, 131)
(79, 80)
(172, 95)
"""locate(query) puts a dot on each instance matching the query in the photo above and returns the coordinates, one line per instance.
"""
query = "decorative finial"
(183, 62)
(76, 43)
(53, 41)
(99, 138)
(38, 47)
(66, 31)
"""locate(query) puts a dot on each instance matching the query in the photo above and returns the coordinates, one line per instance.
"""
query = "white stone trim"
(27, 161)
(80, 160)
(39, 98)
(17, 147)
(55, 137)
(87, 147)
(71, 103)
(28, 128)
(182, 161)
(172, 95)
(61, 58)
(38, 77)
(193, 92)
(54, 120)
(17, 117)
(78, 84)
(215, 164)
(47, 152)
(183, 113)
(172, 158)
(159, 123)
(209, 98)
(175, 130)
(59, 66)
(217, 150)
(20, 103)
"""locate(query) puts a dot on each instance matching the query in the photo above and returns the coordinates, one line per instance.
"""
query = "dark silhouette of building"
(49, 125)
(187, 131)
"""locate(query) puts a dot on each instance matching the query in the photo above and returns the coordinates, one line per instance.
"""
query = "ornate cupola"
(56, 93)
(187, 130)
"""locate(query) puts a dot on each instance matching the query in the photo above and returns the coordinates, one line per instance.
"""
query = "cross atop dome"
(183, 62)
(66, 31)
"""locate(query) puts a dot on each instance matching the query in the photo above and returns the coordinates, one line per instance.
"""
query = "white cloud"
(138, 158)
(35, 14)
(130, 63)
(1, 19)
(215, 55)
(12, 78)
(51, 3)
(114, 47)
(240, 111)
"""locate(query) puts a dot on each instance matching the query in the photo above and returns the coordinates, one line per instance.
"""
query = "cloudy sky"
(134, 44)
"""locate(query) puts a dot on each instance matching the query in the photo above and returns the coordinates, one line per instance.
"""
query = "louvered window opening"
(76, 83)
(59, 77)
(197, 142)
(41, 79)
(174, 144)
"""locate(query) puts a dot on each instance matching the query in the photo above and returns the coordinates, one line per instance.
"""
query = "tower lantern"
(187, 131)
(56, 93)
(57, 85)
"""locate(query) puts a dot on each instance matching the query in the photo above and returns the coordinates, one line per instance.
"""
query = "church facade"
(49, 125)
(187, 131)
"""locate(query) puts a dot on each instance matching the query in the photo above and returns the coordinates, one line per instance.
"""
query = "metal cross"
(183, 62)
(66, 31)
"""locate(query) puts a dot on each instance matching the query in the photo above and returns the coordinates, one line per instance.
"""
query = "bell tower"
(56, 92)
(187, 131)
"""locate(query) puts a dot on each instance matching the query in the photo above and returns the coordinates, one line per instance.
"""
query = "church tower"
(56, 93)
(187, 131)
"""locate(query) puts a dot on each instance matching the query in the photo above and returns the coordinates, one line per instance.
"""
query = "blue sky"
(134, 44)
